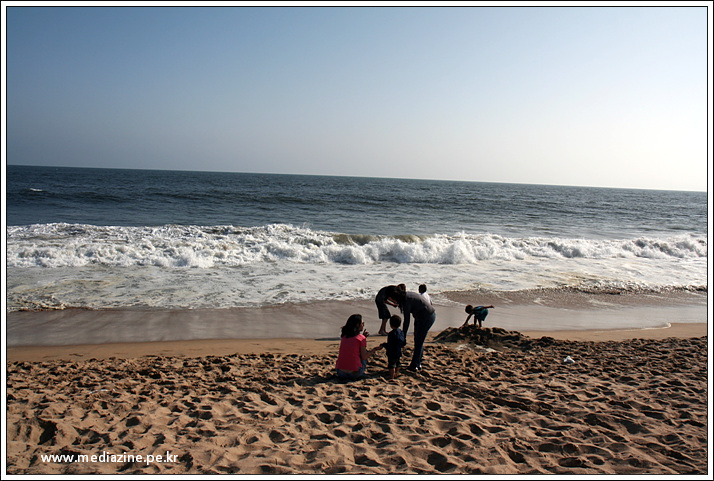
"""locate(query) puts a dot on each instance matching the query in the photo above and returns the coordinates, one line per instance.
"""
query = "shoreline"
(224, 347)
(538, 311)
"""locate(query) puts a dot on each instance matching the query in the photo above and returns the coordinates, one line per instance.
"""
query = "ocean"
(148, 239)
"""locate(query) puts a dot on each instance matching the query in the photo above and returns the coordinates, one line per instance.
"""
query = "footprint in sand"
(339, 433)
(516, 456)
(440, 441)
(440, 462)
(573, 462)
(364, 460)
(159, 439)
(49, 429)
(433, 406)
(133, 421)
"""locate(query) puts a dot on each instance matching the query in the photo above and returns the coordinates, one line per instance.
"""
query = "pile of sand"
(494, 338)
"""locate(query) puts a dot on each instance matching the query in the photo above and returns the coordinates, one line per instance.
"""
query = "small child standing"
(422, 291)
(395, 342)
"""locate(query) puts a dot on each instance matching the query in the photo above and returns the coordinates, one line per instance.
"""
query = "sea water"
(148, 239)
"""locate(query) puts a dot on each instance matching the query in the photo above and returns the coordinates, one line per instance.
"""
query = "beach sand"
(490, 401)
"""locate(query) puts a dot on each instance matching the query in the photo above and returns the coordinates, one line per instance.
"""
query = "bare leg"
(383, 328)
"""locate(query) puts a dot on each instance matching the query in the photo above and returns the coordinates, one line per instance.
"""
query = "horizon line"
(354, 176)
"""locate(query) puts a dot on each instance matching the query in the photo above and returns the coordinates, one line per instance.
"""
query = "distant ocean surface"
(142, 239)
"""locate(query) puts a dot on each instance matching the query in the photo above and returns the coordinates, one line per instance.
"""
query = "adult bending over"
(413, 304)
(387, 295)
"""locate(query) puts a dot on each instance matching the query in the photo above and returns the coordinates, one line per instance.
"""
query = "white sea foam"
(63, 265)
(65, 245)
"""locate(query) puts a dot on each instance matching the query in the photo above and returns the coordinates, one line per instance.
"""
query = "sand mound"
(493, 338)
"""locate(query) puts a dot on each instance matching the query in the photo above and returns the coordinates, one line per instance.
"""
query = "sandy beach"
(489, 401)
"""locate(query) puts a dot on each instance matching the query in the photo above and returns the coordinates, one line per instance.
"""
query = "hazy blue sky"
(598, 96)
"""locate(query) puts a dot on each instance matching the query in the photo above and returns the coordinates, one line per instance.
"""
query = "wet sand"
(224, 347)
(541, 310)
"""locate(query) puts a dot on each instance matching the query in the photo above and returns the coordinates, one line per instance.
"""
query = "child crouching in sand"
(479, 313)
(395, 342)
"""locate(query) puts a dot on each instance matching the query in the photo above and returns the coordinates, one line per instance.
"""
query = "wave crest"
(70, 245)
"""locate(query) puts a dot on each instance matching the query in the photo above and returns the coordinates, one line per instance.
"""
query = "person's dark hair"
(469, 309)
(422, 289)
(399, 297)
(352, 326)
(395, 321)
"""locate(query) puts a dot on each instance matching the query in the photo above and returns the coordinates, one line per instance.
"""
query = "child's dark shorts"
(393, 362)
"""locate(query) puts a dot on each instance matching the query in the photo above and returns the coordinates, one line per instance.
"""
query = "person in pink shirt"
(353, 355)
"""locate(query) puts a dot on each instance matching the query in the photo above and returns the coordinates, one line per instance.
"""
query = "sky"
(588, 96)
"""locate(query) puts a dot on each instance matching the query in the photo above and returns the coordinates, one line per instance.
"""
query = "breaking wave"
(177, 246)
